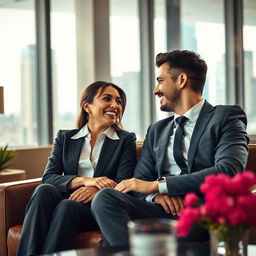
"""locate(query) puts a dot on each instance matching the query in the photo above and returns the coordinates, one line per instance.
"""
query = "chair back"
(251, 162)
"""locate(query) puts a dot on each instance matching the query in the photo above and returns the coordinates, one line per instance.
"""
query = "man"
(178, 152)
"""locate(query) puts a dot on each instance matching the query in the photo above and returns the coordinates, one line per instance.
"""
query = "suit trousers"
(51, 222)
(112, 211)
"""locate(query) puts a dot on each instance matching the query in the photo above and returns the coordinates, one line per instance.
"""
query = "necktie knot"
(181, 120)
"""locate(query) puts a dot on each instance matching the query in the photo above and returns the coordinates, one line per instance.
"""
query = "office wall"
(33, 160)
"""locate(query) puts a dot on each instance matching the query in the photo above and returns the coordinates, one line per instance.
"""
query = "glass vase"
(234, 244)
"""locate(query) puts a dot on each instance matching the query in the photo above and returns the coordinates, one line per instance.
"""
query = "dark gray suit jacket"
(117, 159)
(218, 145)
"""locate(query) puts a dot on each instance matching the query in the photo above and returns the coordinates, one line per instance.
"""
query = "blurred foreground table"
(184, 249)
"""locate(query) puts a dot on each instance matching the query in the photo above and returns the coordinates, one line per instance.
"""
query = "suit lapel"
(162, 145)
(106, 153)
(74, 150)
(202, 121)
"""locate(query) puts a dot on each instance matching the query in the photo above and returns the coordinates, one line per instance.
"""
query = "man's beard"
(170, 104)
(165, 108)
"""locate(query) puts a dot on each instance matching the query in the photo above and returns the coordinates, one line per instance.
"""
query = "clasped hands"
(170, 204)
(91, 186)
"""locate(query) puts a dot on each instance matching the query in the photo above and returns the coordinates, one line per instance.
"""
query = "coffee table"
(184, 249)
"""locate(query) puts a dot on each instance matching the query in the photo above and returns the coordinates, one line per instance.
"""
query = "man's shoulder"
(225, 113)
(228, 108)
(230, 111)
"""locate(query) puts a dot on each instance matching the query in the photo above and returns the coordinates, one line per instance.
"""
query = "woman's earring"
(87, 111)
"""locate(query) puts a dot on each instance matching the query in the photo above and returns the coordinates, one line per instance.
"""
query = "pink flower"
(249, 179)
(221, 220)
(236, 216)
(229, 204)
(191, 199)
(241, 183)
(247, 203)
(213, 181)
(188, 217)
(217, 201)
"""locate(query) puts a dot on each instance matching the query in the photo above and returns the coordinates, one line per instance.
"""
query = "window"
(160, 43)
(249, 31)
(125, 58)
(203, 31)
(18, 73)
(63, 52)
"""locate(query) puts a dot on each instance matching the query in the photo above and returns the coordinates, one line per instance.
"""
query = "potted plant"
(8, 175)
(5, 157)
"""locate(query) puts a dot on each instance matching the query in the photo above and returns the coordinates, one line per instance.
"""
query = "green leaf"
(5, 157)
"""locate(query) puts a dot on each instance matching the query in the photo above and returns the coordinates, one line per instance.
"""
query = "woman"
(98, 154)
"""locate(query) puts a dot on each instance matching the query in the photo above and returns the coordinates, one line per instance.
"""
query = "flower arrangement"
(228, 210)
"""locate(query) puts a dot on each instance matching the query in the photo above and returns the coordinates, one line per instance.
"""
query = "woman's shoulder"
(67, 133)
(124, 134)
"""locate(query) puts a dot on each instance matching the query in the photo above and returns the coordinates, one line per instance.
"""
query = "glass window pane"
(125, 58)
(160, 43)
(18, 73)
(249, 31)
(63, 51)
(203, 31)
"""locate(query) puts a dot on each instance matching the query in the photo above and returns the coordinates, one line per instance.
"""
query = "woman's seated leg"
(69, 218)
(38, 218)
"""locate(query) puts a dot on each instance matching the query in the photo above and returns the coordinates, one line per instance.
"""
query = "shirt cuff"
(149, 198)
(162, 187)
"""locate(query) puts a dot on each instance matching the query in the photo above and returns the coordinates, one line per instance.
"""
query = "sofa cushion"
(90, 239)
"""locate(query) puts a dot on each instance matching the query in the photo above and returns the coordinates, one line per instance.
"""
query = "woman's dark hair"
(188, 62)
(88, 96)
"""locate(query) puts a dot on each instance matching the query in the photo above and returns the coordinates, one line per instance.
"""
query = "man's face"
(167, 89)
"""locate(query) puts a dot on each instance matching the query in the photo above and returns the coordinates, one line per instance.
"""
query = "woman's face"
(106, 108)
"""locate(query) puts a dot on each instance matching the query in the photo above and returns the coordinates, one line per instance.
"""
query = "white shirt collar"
(83, 132)
(193, 113)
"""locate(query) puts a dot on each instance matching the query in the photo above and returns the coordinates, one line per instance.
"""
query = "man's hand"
(100, 182)
(136, 185)
(171, 205)
(84, 194)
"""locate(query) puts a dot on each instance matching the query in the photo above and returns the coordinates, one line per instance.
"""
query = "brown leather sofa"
(15, 195)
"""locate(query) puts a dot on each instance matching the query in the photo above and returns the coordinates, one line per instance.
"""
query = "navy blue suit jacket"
(218, 145)
(117, 159)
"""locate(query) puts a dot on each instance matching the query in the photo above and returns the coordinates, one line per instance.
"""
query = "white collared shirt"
(86, 166)
(170, 165)
(192, 114)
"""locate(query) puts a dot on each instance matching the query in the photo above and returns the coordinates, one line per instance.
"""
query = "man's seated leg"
(113, 209)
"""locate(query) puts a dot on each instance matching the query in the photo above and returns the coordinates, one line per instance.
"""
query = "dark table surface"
(184, 249)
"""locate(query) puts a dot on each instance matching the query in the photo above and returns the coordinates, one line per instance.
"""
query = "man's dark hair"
(187, 62)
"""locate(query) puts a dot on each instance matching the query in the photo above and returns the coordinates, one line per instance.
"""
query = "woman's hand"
(141, 186)
(100, 182)
(84, 194)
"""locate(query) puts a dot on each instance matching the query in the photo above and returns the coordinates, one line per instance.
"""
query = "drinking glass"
(151, 237)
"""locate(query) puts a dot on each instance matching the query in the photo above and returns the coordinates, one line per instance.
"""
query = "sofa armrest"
(14, 197)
